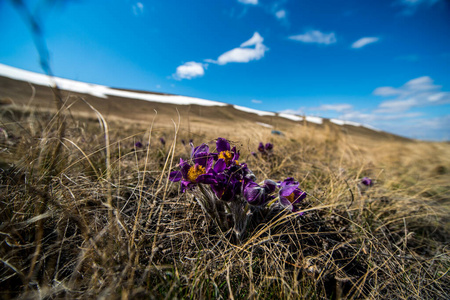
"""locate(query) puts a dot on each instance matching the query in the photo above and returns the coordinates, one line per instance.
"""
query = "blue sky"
(385, 63)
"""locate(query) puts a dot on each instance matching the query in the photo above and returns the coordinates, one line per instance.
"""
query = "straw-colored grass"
(98, 217)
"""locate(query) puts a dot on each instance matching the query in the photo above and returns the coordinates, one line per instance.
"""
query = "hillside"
(211, 113)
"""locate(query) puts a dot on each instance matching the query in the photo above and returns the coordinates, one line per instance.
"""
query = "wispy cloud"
(256, 101)
(418, 2)
(253, 49)
(396, 113)
(364, 117)
(315, 36)
(190, 70)
(411, 6)
(420, 91)
(138, 8)
(281, 14)
(364, 41)
(299, 111)
(252, 2)
(336, 107)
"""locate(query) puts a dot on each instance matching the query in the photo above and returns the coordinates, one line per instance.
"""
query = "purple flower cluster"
(226, 189)
(229, 179)
(264, 150)
(221, 170)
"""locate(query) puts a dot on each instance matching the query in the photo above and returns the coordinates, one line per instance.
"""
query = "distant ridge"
(109, 98)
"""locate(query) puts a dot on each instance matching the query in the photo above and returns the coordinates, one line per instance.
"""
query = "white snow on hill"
(254, 111)
(102, 91)
(290, 117)
(342, 122)
(316, 120)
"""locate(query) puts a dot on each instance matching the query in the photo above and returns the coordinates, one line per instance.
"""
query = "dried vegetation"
(85, 214)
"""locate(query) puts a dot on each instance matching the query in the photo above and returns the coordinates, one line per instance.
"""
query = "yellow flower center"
(291, 197)
(194, 172)
(226, 155)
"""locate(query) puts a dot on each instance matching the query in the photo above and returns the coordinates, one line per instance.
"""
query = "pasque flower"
(268, 147)
(367, 181)
(190, 175)
(290, 194)
(259, 195)
(225, 152)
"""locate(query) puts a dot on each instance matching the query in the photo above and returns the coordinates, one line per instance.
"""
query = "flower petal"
(200, 149)
(175, 176)
(206, 178)
(220, 166)
(286, 203)
(286, 191)
(222, 145)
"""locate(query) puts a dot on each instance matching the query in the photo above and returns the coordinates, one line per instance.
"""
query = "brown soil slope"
(27, 96)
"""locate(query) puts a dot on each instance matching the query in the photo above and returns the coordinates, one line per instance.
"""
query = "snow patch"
(100, 91)
(316, 120)
(254, 111)
(290, 117)
(343, 122)
(337, 122)
(264, 125)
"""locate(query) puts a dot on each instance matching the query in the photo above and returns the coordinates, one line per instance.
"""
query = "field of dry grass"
(86, 214)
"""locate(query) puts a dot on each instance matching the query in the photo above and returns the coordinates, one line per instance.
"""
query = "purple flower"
(183, 142)
(190, 175)
(367, 181)
(226, 153)
(257, 195)
(269, 147)
(261, 147)
(226, 187)
(254, 154)
(162, 140)
(138, 144)
(290, 194)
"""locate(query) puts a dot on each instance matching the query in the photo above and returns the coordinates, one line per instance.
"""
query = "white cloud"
(300, 111)
(256, 101)
(243, 54)
(364, 41)
(138, 8)
(190, 70)
(386, 91)
(397, 105)
(281, 14)
(362, 117)
(253, 2)
(315, 36)
(254, 40)
(416, 92)
(336, 107)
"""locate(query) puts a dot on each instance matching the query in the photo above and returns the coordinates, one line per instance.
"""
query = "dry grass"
(99, 218)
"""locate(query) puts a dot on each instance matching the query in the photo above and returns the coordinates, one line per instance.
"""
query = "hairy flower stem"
(240, 211)
(209, 204)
